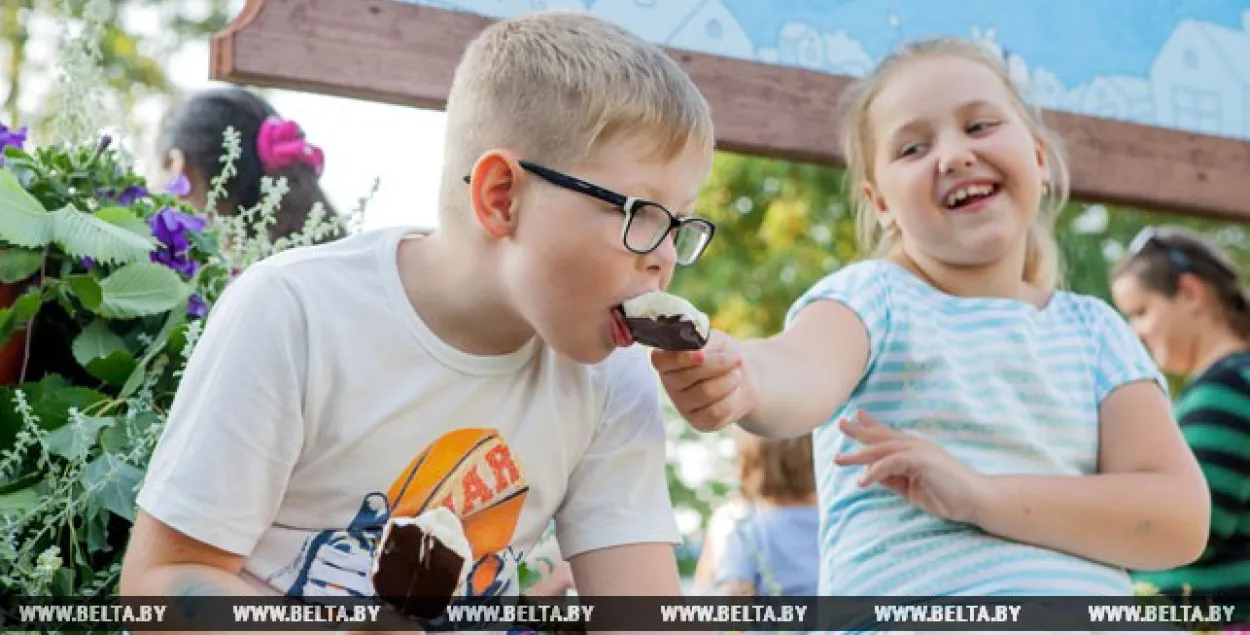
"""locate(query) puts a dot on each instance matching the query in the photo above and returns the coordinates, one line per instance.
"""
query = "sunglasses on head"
(1181, 263)
(1149, 237)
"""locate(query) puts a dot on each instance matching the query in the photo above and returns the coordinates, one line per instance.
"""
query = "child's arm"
(162, 562)
(1148, 508)
(783, 386)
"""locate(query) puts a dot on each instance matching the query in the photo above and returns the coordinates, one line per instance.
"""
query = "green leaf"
(63, 582)
(52, 407)
(119, 479)
(87, 236)
(141, 288)
(113, 369)
(18, 502)
(115, 439)
(17, 265)
(97, 526)
(175, 319)
(87, 289)
(16, 317)
(23, 219)
(22, 482)
(74, 440)
(125, 219)
(96, 341)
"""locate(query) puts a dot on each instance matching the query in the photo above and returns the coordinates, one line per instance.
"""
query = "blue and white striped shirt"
(1007, 388)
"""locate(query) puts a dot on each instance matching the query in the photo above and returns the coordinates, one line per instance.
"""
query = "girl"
(1184, 298)
(190, 145)
(772, 550)
(993, 435)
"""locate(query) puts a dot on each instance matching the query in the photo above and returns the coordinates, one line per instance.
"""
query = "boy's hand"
(712, 387)
(916, 468)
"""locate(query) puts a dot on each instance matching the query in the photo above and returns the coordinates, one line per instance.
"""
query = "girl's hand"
(916, 468)
(711, 388)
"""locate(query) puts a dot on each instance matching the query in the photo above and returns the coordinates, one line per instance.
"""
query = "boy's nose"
(663, 259)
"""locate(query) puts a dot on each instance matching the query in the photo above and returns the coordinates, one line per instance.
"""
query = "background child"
(479, 367)
(190, 146)
(772, 550)
(993, 435)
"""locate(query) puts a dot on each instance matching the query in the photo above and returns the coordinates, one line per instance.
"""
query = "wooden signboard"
(402, 53)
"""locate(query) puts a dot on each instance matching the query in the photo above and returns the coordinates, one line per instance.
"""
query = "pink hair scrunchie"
(280, 144)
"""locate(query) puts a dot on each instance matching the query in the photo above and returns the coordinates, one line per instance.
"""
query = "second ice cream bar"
(665, 321)
(421, 563)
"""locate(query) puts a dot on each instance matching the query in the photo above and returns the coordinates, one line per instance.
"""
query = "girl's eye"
(910, 149)
(982, 126)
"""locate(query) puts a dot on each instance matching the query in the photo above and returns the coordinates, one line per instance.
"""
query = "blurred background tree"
(139, 37)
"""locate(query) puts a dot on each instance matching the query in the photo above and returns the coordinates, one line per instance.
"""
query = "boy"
(481, 367)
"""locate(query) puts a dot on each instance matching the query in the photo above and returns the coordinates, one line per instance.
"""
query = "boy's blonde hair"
(1042, 265)
(556, 86)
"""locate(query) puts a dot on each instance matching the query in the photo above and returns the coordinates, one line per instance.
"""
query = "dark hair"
(1160, 256)
(776, 468)
(197, 127)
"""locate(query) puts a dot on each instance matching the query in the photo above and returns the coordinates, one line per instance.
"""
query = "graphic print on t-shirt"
(471, 472)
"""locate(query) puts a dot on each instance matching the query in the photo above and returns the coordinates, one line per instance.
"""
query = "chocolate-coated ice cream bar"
(665, 321)
(421, 563)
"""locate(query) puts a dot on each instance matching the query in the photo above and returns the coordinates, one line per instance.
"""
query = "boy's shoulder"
(624, 380)
(351, 269)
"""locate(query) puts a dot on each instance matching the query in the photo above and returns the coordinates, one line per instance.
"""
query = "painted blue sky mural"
(1182, 64)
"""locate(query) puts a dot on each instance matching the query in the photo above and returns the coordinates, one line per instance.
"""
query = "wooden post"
(399, 53)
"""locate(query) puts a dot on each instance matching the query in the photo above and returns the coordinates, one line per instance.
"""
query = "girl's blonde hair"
(1041, 265)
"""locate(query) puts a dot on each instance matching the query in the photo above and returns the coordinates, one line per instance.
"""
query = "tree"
(133, 60)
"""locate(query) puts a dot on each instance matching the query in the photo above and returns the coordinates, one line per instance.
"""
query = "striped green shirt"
(1214, 414)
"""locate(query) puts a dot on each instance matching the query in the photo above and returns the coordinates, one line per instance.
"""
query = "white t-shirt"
(317, 404)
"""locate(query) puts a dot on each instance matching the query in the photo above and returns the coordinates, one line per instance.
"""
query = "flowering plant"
(108, 282)
(107, 286)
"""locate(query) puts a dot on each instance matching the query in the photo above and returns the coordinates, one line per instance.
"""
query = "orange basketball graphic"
(471, 472)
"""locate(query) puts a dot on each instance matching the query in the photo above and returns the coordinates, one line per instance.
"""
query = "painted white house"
(1201, 79)
(713, 29)
(1119, 97)
(500, 9)
(844, 55)
(800, 44)
(706, 26)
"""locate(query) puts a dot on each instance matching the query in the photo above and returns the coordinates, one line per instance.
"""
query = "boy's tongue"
(620, 330)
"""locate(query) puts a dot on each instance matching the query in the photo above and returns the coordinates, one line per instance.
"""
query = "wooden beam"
(398, 53)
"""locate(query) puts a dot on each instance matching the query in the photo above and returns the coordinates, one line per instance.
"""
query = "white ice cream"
(658, 303)
(442, 524)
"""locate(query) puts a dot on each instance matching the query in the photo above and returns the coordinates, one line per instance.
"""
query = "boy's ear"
(493, 192)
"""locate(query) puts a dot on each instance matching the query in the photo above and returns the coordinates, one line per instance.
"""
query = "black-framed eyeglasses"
(646, 224)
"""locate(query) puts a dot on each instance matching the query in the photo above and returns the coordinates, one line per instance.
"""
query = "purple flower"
(88, 263)
(171, 227)
(196, 307)
(179, 187)
(131, 194)
(14, 138)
